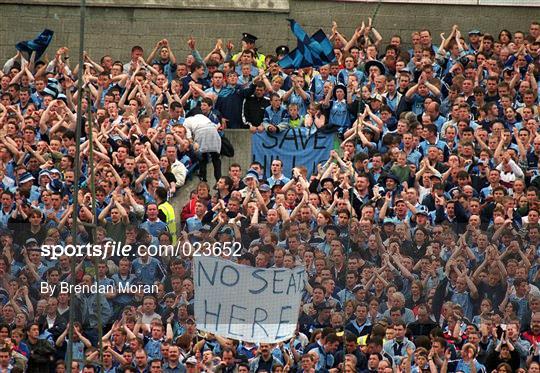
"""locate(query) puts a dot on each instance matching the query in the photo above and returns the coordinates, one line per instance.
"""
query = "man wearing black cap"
(374, 68)
(282, 51)
(248, 43)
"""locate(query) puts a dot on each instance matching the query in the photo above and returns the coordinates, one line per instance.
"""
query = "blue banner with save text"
(294, 147)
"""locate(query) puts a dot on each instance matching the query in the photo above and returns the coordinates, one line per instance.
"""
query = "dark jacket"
(418, 328)
(442, 294)
(458, 223)
(41, 357)
(253, 109)
(495, 359)
(57, 328)
(229, 104)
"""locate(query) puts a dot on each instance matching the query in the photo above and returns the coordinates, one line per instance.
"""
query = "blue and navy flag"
(314, 51)
(38, 45)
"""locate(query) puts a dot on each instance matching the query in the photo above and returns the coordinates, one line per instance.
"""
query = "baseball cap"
(44, 173)
(252, 173)
(27, 176)
(278, 183)
(265, 188)
(389, 221)
(377, 97)
(227, 230)
(422, 210)
(31, 241)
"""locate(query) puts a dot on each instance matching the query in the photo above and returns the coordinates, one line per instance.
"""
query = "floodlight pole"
(75, 213)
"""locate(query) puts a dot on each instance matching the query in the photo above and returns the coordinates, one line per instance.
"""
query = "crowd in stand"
(420, 233)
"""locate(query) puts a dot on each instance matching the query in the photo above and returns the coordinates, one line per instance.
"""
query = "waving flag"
(38, 45)
(312, 51)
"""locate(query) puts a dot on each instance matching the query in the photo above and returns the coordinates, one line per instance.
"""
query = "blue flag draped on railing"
(312, 51)
(38, 45)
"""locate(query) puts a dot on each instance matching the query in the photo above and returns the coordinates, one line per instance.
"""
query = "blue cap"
(227, 230)
(52, 88)
(44, 173)
(252, 173)
(389, 221)
(26, 177)
(56, 186)
(422, 210)
(265, 188)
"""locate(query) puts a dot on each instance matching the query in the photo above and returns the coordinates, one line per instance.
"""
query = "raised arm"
(95, 65)
(384, 208)
(376, 35)
(154, 51)
(103, 215)
(354, 39)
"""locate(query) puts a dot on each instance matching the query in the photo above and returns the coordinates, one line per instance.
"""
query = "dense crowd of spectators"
(420, 234)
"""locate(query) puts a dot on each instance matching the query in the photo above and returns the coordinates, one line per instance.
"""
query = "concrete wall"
(114, 30)
(253, 5)
(241, 140)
